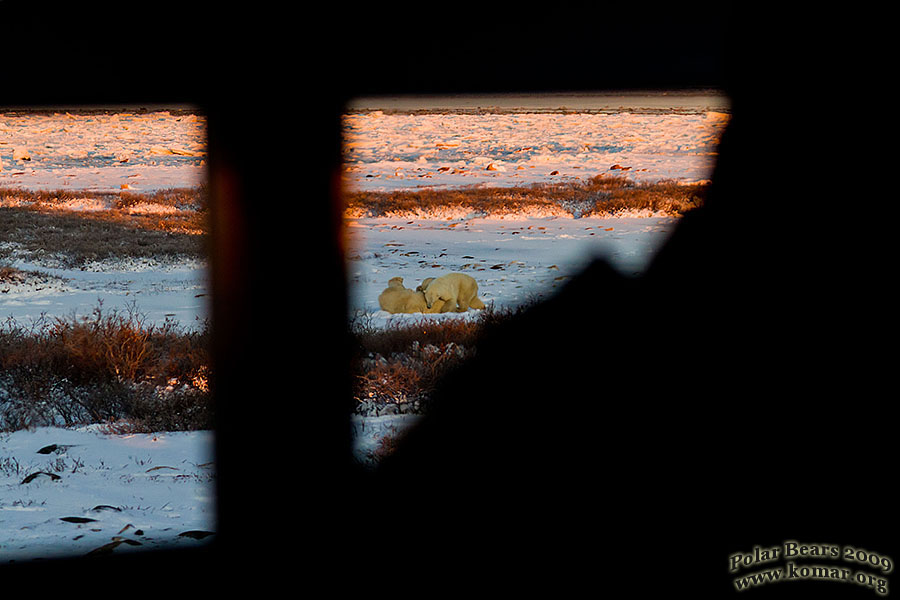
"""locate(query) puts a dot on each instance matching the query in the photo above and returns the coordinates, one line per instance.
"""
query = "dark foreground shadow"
(634, 433)
(638, 432)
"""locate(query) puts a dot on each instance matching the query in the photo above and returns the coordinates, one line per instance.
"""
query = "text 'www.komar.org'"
(849, 572)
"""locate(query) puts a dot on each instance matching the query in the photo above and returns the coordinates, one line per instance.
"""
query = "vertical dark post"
(279, 319)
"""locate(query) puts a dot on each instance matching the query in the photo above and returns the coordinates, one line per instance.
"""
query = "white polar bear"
(451, 292)
(398, 299)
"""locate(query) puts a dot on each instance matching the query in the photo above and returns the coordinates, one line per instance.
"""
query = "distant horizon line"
(601, 100)
(95, 107)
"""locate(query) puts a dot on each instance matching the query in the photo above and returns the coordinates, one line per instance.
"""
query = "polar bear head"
(435, 293)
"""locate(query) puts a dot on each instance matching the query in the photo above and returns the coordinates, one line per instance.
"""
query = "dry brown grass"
(194, 199)
(111, 366)
(603, 195)
(11, 274)
(400, 336)
(403, 362)
(386, 446)
(38, 226)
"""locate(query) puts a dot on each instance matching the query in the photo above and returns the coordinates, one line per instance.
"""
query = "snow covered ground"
(510, 141)
(97, 491)
(104, 152)
(387, 151)
(514, 261)
(67, 492)
(90, 150)
(160, 291)
(163, 485)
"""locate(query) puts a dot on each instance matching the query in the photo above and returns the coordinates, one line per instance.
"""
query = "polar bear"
(457, 291)
(424, 285)
(398, 299)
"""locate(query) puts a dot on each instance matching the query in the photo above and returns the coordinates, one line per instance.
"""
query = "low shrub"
(108, 367)
(404, 361)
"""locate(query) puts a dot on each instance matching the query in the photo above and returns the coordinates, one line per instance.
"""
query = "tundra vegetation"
(396, 367)
(111, 367)
(600, 196)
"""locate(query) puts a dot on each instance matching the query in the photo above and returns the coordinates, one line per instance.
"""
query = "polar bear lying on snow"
(398, 299)
(451, 292)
